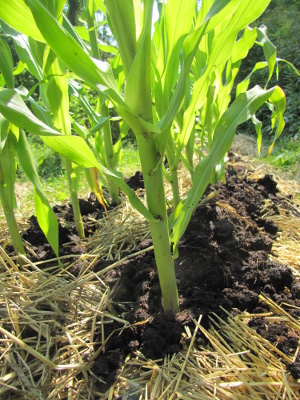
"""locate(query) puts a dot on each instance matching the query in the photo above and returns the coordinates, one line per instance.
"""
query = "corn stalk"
(14, 146)
(164, 89)
(109, 155)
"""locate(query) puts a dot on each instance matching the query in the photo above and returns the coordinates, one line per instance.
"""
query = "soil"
(224, 264)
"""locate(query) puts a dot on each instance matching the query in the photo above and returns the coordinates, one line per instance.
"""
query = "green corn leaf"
(118, 179)
(58, 97)
(100, 5)
(221, 50)
(99, 124)
(19, 68)
(175, 25)
(107, 48)
(78, 91)
(84, 34)
(289, 64)
(44, 213)
(96, 73)
(56, 7)
(269, 50)
(218, 94)
(278, 101)
(73, 32)
(243, 45)
(6, 64)
(69, 50)
(47, 220)
(122, 20)
(243, 85)
(17, 14)
(258, 128)
(219, 11)
(40, 112)
(26, 50)
(72, 147)
(240, 111)
(15, 110)
(8, 166)
(4, 129)
(81, 130)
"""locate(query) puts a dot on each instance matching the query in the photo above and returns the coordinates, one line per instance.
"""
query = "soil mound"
(224, 264)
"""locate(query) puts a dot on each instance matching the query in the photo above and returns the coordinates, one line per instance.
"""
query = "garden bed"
(96, 327)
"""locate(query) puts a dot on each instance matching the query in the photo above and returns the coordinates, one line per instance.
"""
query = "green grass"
(283, 27)
(286, 154)
(129, 160)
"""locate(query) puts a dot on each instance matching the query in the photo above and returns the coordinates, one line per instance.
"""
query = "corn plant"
(108, 152)
(158, 87)
(14, 145)
(53, 88)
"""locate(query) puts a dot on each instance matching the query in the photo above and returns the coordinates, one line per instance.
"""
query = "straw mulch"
(63, 311)
(249, 367)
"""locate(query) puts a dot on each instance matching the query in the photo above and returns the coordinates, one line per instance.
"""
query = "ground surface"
(224, 264)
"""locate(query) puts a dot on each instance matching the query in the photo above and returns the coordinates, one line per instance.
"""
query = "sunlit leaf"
(18, 15)
(6, 64)
(45, 215)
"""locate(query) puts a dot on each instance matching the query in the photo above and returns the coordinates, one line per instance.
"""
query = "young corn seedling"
(14, 146)
(157, 71)
(53, 88)
(109, 155)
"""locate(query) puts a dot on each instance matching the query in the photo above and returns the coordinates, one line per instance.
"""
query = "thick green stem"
(92, 36)
(175, 187)
(109, 152)
(153, 178)
(108, 143)
(139, 84)
(74, 199)
(170, 151)
(189, 151)
(165, 266)
(11, 222)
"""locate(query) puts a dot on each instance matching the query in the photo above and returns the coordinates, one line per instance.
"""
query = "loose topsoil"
(224, 264)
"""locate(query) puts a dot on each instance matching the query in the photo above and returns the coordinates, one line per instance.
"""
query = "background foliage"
(282, 19)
